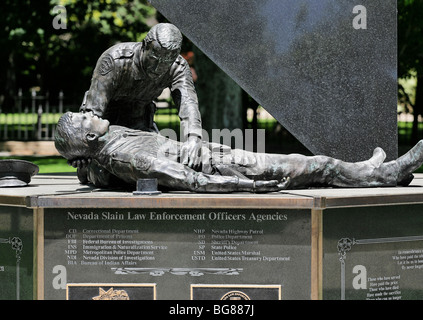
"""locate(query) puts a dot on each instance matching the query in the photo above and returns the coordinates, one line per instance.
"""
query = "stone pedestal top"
(65, 191)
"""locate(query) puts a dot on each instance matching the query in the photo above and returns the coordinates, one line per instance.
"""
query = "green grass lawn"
(47, 164)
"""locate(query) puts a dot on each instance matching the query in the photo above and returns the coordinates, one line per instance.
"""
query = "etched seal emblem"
(235, 295)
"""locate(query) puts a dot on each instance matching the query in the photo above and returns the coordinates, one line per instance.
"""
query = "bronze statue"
(130, 155)
(129, 77)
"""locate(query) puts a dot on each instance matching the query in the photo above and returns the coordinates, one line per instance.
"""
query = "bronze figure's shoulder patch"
(107, 64)
(142, 162)
(123, 53)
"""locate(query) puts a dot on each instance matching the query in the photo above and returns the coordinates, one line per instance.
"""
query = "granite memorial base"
(62, 240)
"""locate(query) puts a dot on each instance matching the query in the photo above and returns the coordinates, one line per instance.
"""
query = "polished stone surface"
(65, 191)
(331, 85)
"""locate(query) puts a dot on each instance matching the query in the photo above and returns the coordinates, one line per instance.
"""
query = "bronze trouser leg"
(397, 172)
(363, 174)
(317, 171)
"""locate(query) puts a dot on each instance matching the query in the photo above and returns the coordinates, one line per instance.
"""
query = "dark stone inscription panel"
(373, 253)
(175, 249)
(16, 249)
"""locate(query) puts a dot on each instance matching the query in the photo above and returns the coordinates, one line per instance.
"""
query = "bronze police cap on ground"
(16, 173)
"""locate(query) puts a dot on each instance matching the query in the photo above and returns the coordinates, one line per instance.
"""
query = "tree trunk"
(8, 101)
(418, 110)
(220, 98)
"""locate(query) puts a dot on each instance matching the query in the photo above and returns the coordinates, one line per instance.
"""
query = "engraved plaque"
(177, 248)
(373, 253)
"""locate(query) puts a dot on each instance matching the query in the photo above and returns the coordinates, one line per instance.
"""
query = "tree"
(38, 54)
(410, 53)
(220, 97)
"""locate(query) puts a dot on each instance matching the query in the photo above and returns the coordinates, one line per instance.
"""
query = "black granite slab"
(326, 70)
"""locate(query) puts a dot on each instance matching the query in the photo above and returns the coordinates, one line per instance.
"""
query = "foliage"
(34, 53)
(410, 59)
(410, 37)
(410, 46)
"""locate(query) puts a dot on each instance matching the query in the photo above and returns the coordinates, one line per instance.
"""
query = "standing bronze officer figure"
(130, 76)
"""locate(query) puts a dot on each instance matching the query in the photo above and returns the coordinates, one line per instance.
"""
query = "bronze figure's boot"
(408, 163)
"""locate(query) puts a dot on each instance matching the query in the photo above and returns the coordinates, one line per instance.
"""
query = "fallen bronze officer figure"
(122, 156)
